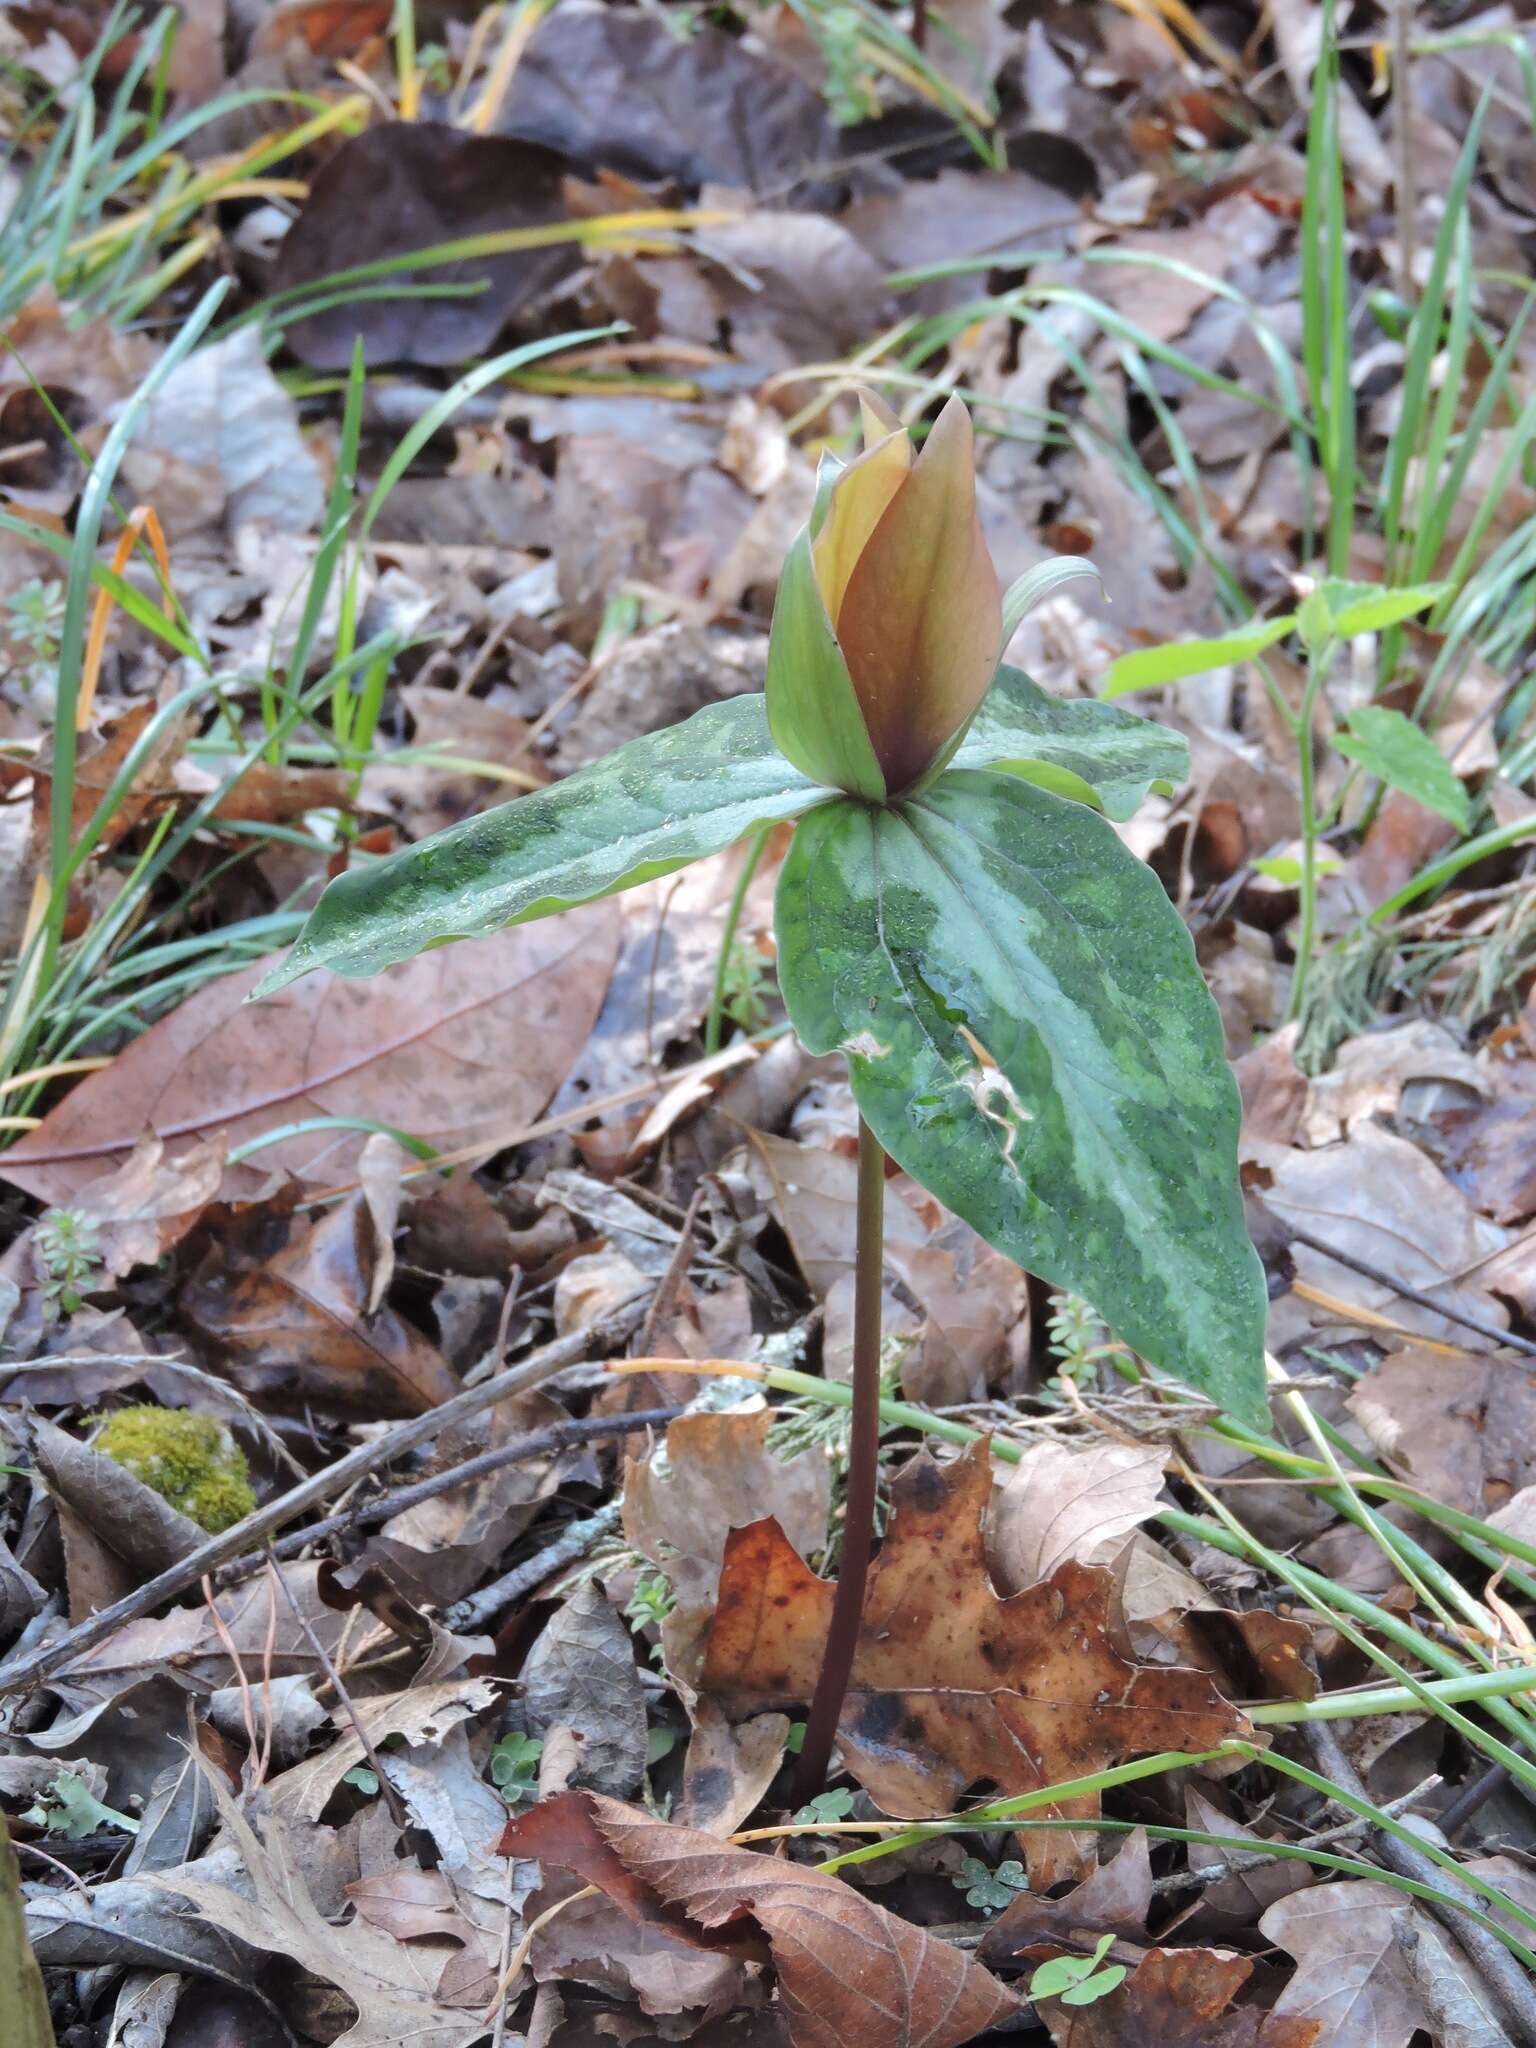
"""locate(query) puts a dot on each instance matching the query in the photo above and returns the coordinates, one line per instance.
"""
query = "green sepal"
(1084, 749)
(645, 810)
(1028, 1034)
(813, 709)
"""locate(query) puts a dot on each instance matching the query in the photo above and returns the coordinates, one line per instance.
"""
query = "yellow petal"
(858, 504)
(876, 417)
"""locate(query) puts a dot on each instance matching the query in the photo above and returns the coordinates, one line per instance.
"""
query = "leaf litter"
(321, 1217)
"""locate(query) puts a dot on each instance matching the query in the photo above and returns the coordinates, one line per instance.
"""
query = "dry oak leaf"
(1178, 1998)
(388, 1982)
(850, 1974)
(952, 1684)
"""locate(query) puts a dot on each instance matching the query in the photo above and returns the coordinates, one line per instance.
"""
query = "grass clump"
(190, 1460)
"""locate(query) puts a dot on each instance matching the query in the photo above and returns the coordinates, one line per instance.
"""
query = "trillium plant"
(1026, 1030)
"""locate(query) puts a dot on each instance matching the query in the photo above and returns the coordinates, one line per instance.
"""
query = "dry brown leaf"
(299, 1327)
(386, 1982)
(440, 1047)
(952, 1685)
(719, 1474)
(728, 1767)
(1369, 1073)
(1462, 1428)
(1379, 1198)
(850, 1974)
(1115, 1898)
(150, 1202)
(1062, 1503)
(581, 1675)
(1490, 1154)
(1181, 1998)
(423, 1715)
(1351, 1976)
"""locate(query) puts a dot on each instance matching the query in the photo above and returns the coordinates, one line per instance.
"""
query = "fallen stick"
(608, 1335)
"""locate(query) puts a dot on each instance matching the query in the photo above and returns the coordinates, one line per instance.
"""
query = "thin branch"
(1508, 1338)
(607, 1336)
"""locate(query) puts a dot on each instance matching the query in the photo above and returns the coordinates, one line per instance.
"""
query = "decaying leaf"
(386, 1982)
(1463, 1428)
(850, 1974)
(438, 1048)
(1033, 1691)
(422, 1715)
(581, 1675)
(1351, 1977)
(1061, 1502)
(1179, 1998)
(719, 1473)
(299, 1325)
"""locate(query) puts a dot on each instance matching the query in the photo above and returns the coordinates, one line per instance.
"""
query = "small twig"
(664, 1300)
(1500, 1974)
(574, 1541)
(1363, 1267)
(579, 1430)
(1238, 1862)
(391, 1798)
(1471, 1798)
(607, 1336)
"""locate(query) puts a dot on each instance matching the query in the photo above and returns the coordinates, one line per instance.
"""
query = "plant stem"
(713, 1022)
(863, 1476)
(1317, 667)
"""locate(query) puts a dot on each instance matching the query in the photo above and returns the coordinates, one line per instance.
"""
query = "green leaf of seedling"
(1149, 667)
(1285, 867)
(1340, 610)
(362, 1780)
(1028, 1035)
(1068, 1977)
(990, 1890)
(834, 1805)
(647, 809)
(1083, 750)
(73, 1810)
(1391, 746)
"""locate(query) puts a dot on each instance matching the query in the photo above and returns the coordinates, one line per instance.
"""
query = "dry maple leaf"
(850, 1974)
(952, 1684)
(1177, 1998)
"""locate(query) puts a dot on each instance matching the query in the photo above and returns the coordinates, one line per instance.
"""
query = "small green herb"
(1078, 1980)
(515, 1766)
(990, 1890)
(70, 1249)
(834, 1805)
(71, 1809)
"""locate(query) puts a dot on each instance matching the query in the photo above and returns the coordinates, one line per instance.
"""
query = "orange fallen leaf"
(1177, 1998)
(952, 1684)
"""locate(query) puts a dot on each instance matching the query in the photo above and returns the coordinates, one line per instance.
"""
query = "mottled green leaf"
(1029, 1036)
(1081, 749)
(649, 808)
(1387, 744)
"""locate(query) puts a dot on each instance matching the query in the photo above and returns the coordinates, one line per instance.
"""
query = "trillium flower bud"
(888, 626)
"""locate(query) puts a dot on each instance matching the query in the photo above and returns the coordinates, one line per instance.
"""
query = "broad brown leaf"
(299, 1325)
(850, 1974)
(951, 1684)
(454, 1046)
(1352, 1978)
(1463, 1428)
(1178, 1998)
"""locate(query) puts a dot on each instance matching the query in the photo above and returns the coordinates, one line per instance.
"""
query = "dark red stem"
(863, 1475)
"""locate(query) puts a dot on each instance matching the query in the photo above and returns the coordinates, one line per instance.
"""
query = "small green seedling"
(826, 1806)
(1026, 1029)
(515, 1766)
(71, 1809)
(990, 1890)
(1078, 1980)
(70, 1250)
